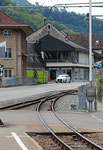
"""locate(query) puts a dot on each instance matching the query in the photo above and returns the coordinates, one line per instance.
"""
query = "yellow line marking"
(18, 136)
(9, 136)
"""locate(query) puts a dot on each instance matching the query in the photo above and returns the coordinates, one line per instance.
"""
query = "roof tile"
(83, 40)
(7, 20)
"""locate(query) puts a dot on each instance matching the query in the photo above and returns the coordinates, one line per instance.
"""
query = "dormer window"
(7, 33)
(48, 26)
(97, 42)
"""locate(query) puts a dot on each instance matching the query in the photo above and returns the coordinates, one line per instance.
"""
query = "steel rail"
(22, 104)
(45, 124)
(74, 130)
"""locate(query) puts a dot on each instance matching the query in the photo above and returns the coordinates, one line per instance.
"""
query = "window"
(7, 33)
(81, 74)
(48, 26)
(7, 73)
(8, 53)
(75, 57)
(76, 73)
(97, 42)
(65, 55)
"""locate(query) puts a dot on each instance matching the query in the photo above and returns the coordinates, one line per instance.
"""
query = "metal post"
(90, 40)
(95, 105)
(90, 107)
(95, 102)
(102, 98)
(85, 106)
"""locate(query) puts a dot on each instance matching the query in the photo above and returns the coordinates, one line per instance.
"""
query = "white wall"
(83, 58)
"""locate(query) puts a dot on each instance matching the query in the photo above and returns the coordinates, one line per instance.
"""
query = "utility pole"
(91, 90)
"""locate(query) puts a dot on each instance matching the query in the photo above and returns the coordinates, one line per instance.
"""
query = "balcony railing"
(53, 60)
(57, 60)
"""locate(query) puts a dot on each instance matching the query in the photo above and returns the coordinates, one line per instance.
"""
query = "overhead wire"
(43, 3)
(79, 3)
(53, 3)
(49, 6)
(94, 4)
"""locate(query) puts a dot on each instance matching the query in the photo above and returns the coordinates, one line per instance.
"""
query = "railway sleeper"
(74, 137)
(80, 147)
(90, 146)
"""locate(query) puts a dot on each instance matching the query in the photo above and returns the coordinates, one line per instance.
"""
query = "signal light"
(1, 70)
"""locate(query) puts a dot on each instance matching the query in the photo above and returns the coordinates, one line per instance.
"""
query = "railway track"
(22, 104)
(30, 102)
(86, 144)
(54, 98)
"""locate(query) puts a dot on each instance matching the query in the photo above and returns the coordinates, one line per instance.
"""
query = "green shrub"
(100, 88)
(100, 81)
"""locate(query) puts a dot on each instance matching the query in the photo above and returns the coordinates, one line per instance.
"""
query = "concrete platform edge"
(34, 142)
(11, 102)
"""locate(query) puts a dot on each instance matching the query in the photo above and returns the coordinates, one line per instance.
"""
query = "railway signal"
(91, 96)
(1, 70)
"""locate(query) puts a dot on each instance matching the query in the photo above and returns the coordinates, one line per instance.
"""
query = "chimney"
(45, 21)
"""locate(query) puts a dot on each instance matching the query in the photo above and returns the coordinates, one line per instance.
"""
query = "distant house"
(97, 48)
(60, 54)
(14, 61)
(83, 40)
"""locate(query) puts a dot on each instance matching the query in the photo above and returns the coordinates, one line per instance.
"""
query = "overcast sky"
(95, 11)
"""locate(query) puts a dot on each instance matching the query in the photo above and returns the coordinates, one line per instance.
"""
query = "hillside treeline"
(68, 22)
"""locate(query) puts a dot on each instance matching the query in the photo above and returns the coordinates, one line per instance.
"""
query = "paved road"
(23, 91)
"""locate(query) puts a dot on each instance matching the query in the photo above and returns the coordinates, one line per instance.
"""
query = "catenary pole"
(90, 41)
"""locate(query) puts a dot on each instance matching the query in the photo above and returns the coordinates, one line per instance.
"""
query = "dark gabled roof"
(9, 22)
(49, 29)
(83, 40)
(43, 31)
(51, 43)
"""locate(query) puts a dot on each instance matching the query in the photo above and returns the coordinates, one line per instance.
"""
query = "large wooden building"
(60, 54)
(14, 61)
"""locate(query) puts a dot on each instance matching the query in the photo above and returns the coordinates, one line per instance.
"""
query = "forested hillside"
(73, 21)
(22, 2)
(69, 22)
(5, 2)
(30, 16)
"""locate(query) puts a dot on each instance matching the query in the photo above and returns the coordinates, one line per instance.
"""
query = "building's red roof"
(83, 40)
(7, 21)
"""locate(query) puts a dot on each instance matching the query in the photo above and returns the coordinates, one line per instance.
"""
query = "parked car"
(63, 78)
